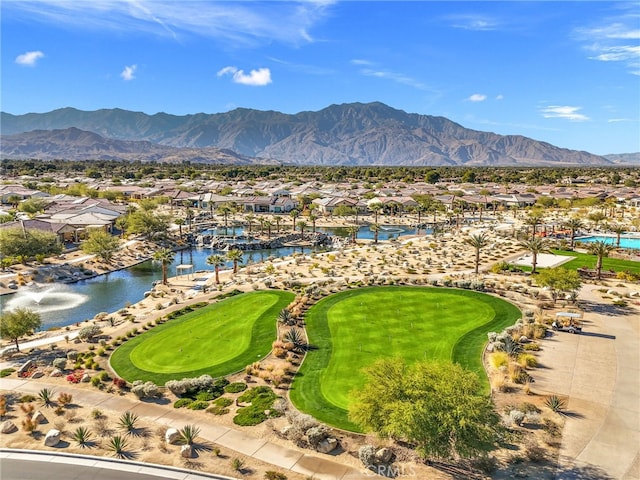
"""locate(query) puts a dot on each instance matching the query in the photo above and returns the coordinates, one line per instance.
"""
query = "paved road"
(25, 465)
(599, 370)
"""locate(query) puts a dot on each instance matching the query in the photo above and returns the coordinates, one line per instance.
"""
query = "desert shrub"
(499, 359)
(517, 374)
(205, 396)
(182, 402)
(5, 372)
(316, 435)
(87, 333)
(96, 382)
(485, 464)
(235, 387)
(527, 360)
(531, 347)
(271, 475)
(551, 428)
(534, 452)
(555, 403)
(219, 406)
(198, 405)
(261, 399)
(367, 455)
(59, 363)
(516, 417)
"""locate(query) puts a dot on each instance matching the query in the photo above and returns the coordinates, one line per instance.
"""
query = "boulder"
(8, 427)
(186, 451)
(327, 445)
(52, 438)
(523, 339)
(56, 372)
(37, 374)
(172, 435)
(38, 417)
(26, 366)
(384, 455)
(86, 378)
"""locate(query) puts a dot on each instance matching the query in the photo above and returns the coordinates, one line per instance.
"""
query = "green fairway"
(352, 329)
(589, 261)
(217, 340)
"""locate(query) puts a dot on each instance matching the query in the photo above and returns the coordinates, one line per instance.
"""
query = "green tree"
(101, 244)
(559, 280)
(477, 242)
(235, 256)
(165, 257)
(17, 241)
(294, 214)
(618, 230)
(534, 219)
(17, 323)
(217, 261)
(302, 225)
(600, 249)
(536, 246)
(32, 206)
(148, 223)
(436, 406)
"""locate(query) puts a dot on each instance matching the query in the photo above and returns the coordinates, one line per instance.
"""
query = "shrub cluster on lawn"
(191, 387)
(261, 399)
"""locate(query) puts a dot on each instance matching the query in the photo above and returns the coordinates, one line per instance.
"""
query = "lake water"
(61, 305)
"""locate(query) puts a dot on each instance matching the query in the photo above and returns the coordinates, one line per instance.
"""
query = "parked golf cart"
(567, 322)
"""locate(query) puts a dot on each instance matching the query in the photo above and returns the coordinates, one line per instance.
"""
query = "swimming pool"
(625, 242)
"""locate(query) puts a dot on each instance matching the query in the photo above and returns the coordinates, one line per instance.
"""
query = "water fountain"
(46, 299)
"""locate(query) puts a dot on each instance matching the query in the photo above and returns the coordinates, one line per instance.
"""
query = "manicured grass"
(586, 260)
(352, 329)
(217, 340)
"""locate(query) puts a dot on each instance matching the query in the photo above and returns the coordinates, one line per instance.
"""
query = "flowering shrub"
(119, 382)
(75, 376)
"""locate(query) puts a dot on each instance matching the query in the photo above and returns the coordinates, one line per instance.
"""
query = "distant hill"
(348, 134)
(75, 144)
(624, 158)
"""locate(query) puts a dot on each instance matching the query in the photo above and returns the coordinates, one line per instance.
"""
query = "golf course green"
(350, 330)
(218, 339)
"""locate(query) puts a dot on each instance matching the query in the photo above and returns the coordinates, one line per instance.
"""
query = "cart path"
(599, 370)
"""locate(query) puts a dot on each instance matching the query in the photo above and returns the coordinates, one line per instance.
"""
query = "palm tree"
(235, 256)
(600, 249)
(485, 192)
(302, 225)
(250, 219)
(375, 207)
(536, 246)
(165, 257)
(268, 225)
(312, 219)
(179, 222)
(294, 214)
(618, 230)
(534, 219)
(375, 228)
(217, 261)
(353, 231)
(225, 209)
(574, 225)
(478, 242)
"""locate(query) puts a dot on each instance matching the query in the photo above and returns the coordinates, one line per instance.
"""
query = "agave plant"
(188, 434)
(118, 445)
(555, 403)
(285, 317)
(295, 336)
(82, 436)
(128, 421)
(511, 347)
(46, 397)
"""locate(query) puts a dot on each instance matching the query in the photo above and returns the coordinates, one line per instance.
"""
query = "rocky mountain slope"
(348, 134)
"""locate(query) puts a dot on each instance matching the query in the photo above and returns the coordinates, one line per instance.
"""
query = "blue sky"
(567, 73)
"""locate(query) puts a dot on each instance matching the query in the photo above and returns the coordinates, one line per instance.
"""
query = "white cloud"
(237, 23)
(477, 97)
(566, 112)
(255, 78)
(500, 97)
(474, 22)
(129, 72)
(614, 39)
(29, 59)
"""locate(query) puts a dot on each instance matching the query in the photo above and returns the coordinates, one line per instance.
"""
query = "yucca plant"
(555, 403)
(118, 445)
(295, 336)
(188, 434)
(237, 464)
(285, 317)
(82, 436)
(128, 421)
(46, 397)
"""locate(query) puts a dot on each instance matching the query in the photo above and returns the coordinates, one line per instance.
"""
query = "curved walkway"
(599, 372)
(321, 468)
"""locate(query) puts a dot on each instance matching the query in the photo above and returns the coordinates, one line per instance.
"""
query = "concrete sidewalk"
(321, 468)
(599, 372)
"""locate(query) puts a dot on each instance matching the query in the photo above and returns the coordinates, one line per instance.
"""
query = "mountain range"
(347, 134)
